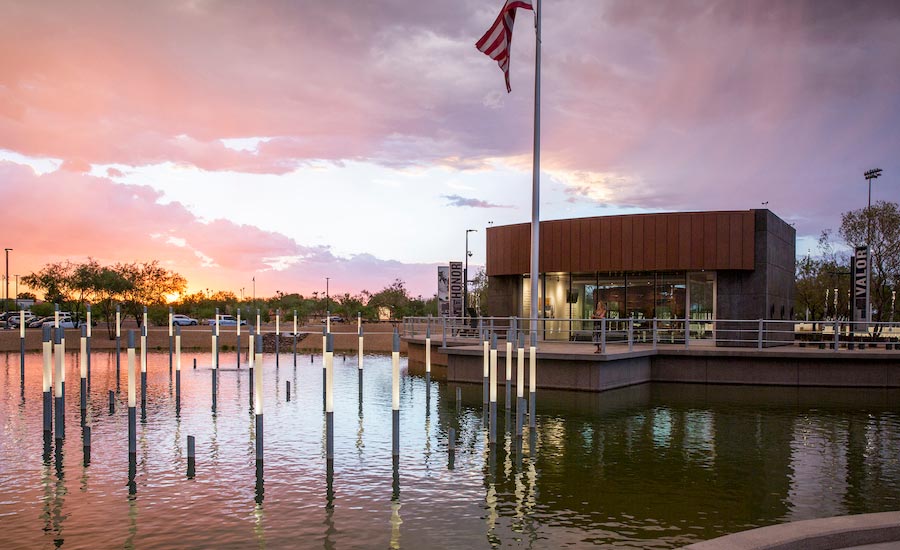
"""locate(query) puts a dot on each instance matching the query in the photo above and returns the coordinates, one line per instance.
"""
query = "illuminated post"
(237, 339)
(88, 347)
(509, 358)
(395, 393)
(118, 340)
(48, 377)
(427, 362)
(328, 320)
(493, 393)
(144, 364)
(277, 336)
(58, 381)
(520, 382)
(532, 380)
(251, 355)
(329, 397)
(214, 352)
(22, 346)
(359, 360)
(324, 345)
(486, 369)
(171, 339)
(258, 398)
(295, 337)
(178, 367)
(132, 412)
(83, 364)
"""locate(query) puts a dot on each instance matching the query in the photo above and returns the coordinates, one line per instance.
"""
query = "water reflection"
(643, 467)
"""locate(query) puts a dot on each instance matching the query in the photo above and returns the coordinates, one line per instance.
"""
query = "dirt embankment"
(378, 338)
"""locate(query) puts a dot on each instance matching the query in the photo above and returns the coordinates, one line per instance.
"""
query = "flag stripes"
(496, 41)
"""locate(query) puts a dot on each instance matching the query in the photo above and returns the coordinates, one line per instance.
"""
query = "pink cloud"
(64, 215)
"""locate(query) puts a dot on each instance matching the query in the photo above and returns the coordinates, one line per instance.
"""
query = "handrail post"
(603, 335)
(631, 334)
(759, 335)
(687, 332)
(654, 333)
(837, 335)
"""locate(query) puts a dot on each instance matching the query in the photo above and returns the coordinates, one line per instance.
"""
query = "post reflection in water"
(647, 466)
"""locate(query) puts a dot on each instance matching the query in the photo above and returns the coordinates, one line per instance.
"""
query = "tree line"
(132, 286)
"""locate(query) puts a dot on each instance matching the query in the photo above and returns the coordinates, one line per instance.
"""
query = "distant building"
(692, 265)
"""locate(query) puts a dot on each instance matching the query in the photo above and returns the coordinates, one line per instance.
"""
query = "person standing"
(599, 313)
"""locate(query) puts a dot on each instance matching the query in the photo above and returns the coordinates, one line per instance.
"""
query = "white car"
(13, 321)
(183, 320)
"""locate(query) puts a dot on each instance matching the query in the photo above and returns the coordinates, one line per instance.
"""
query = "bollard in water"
(329, 397)
(22, 347)
(288, 389)
(520, 385)
(451, 446)
(171, 341)
(295, 337)
(58, 386)
(47, 378)
(532, 381)
(324, 361)
(237, 339)
(458, 397)
(486, 369)
(427, 364)
(258, 398)
(118, 340)
(395, 394)
(83, 364)
(251, 363)
(132, 398)
(144, 366)
(359, 359)
(509, 357)
(277, 337)
(178, 369)
(195, 362)
(492, 436)
(191, 457)
(215, 388)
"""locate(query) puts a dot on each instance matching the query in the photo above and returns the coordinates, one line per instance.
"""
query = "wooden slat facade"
(639, 242)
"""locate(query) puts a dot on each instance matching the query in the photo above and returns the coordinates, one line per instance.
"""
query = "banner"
(860, 268)
(443, 293)
(456, 289)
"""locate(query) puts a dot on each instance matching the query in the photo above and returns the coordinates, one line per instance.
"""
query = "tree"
(478, 292)
(149, 284)
(879, 226)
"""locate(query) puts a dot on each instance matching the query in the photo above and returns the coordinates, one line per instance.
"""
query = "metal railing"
(643, 333)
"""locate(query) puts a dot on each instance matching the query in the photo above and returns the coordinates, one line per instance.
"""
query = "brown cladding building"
(706, 265)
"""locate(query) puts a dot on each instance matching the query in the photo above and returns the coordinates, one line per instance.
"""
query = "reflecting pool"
(650, 466)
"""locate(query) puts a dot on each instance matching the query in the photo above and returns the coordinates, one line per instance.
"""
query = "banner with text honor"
(456, 289)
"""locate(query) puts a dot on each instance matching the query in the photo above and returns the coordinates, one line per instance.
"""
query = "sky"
(290, 141)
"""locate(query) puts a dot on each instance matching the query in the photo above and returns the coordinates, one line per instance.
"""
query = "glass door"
(702, 300)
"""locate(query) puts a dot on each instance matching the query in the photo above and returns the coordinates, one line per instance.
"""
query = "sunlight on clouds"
(603, 187)
(280, 263)
(205, 261)
(244, 144)
(39, 165)
(177, 241)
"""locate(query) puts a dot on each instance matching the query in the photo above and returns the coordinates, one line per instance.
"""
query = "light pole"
(869, 175)
(466, 275)
(6, 300)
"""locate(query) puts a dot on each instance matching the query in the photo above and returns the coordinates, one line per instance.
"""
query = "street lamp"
(6, 299)
(466, 275)
(869, 175)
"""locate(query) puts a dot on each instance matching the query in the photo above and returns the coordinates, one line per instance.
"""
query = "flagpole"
(536, 177)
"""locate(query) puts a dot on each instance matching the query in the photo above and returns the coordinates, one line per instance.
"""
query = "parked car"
(13, 320)
(335, 319)
(227, 321)
(183, 320)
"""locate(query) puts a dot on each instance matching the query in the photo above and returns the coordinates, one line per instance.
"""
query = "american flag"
(496, 41)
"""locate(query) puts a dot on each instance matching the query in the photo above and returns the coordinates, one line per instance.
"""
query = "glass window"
(640, 296)
(670, 295)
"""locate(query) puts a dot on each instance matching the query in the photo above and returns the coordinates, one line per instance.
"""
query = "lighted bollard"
(83, 364)
(329, 397)
(251, 359)
(237, 339)
(191, 457)
(395, 393)
(324, 344)
(195, 362)
(60, 362)
(487, 366)
(132, 398)
(427, 362)
(171, 340)
(277, 337)
(359, 359)
(118, 342)
(509, 358)
(144, 365)
(295, 337)
(47, 379)
(214, 342)
(22, 347)
(532, 380)
(258, 398)
(492, 437)
(178, 368)
(88, 347)
(520, 383)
